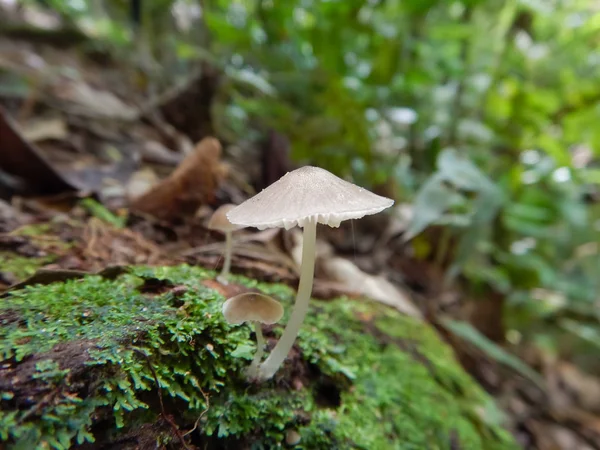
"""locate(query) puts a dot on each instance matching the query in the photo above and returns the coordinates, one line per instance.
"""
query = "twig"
(92, 229)
(41, 404)
(202, 413)
(160, 399)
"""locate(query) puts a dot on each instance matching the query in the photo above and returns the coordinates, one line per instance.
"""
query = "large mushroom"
(257, 309)
(304, 197)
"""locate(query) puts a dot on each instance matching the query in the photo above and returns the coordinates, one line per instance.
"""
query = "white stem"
(260, 351)
(307, 272)
(227, 263)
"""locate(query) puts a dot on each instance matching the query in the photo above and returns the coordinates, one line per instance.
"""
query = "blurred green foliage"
(484, 114)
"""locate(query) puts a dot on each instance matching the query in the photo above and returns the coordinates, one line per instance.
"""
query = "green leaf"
(467, 332)
(590, 176)
(460, 171)
(432, 201)
(252, 79)
(530, 213)
(586, 332)
(101, 212)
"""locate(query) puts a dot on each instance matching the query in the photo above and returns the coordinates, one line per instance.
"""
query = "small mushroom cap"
(252, 307)
(305, 194)
(219, 221)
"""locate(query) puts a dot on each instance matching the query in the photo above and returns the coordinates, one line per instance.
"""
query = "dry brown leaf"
(191, 184)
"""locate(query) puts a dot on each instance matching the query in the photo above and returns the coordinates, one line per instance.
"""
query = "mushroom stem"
(260, 351)
(227, 263)
(285, 343)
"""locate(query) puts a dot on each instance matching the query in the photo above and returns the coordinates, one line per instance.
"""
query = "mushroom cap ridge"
(252, 307)
(308, 193)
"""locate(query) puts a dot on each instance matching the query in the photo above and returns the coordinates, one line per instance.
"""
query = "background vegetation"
(482, 115)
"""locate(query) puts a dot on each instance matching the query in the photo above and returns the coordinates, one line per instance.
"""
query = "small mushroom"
(304, 197)
(257, 309)
(292, 438)
(220, 222)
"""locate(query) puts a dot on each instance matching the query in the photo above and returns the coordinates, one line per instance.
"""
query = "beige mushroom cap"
(305, 194)
(219, 221)
(252, 307)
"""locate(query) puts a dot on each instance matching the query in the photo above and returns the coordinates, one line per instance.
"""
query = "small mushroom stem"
(227, 263)
(260, 351)
(307, 272)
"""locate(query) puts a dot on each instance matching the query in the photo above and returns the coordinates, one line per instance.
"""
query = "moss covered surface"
(80, 361)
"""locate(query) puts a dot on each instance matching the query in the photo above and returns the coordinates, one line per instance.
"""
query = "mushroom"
(255, 308)
(220, 222)
(304, 197)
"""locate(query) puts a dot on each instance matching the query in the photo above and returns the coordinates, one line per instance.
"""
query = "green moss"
(39, 236)
(407, 391)
(370, 377)
(38, 229)
(45, 236)
(21, 267)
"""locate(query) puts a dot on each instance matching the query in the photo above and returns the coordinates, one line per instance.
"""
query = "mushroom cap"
(308, 193)
(219, 221)
(252, 307)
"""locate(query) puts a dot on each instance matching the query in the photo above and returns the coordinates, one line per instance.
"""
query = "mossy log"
(146, 361)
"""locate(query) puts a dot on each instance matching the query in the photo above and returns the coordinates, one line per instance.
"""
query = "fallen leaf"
(192, 184)
(82, 99)
(377, 288)
(22, 160)
(41, 129)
